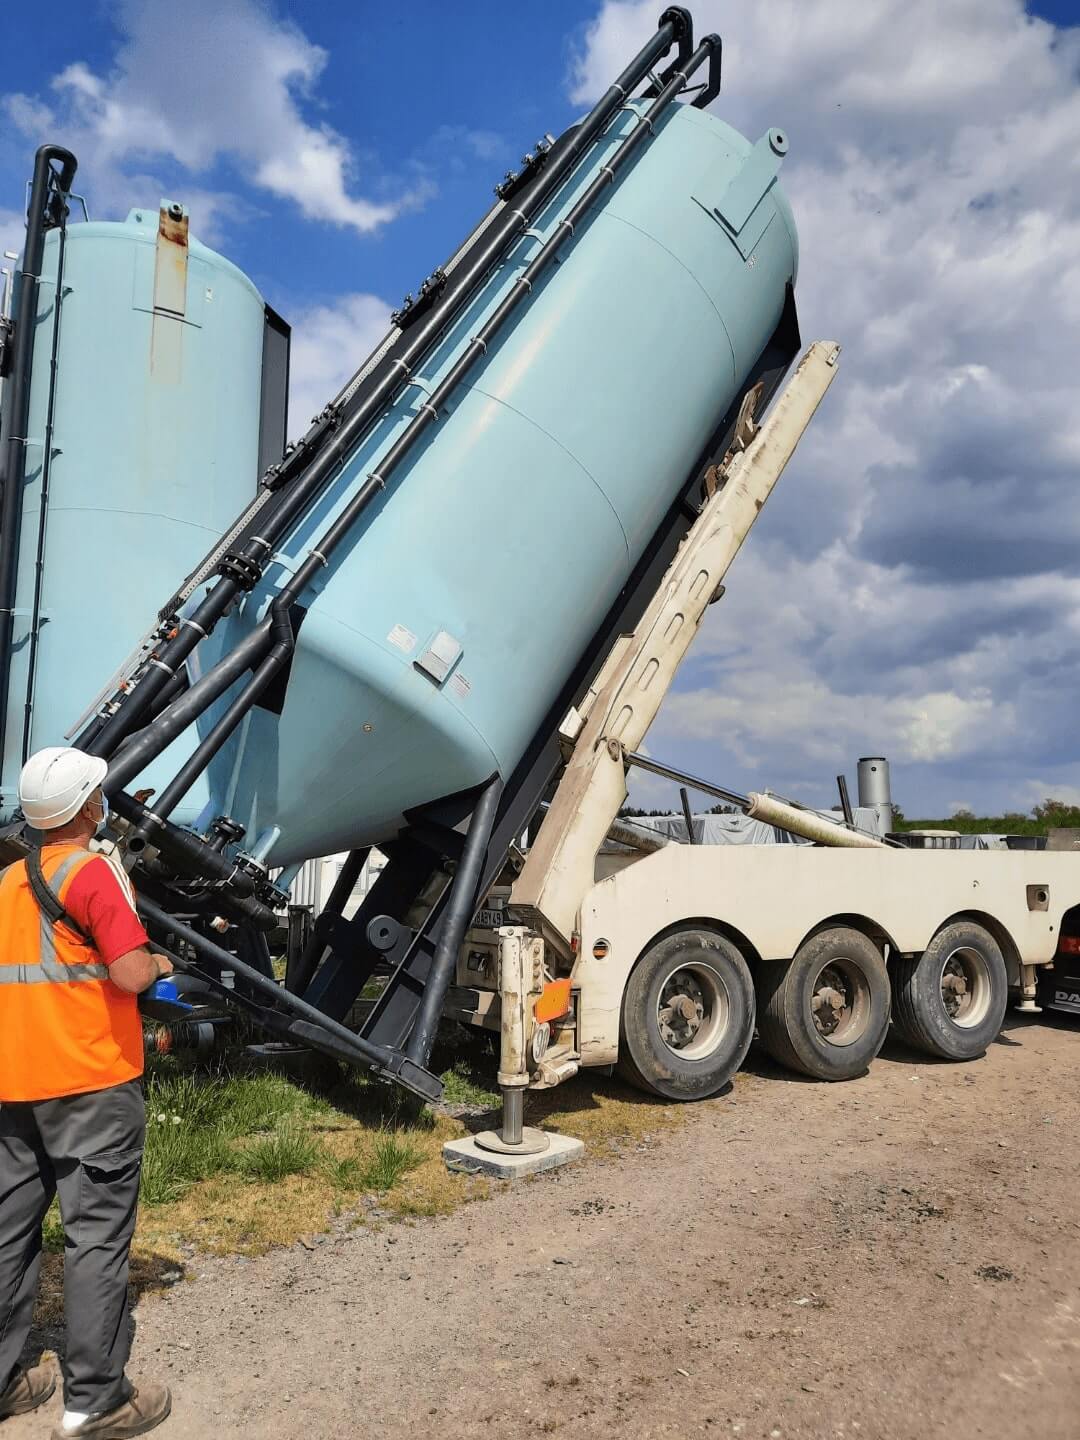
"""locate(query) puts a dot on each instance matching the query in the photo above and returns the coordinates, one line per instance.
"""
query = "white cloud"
(1039, 790)
(12, 232)
(329, 343)
(200, 84)
(914, 585)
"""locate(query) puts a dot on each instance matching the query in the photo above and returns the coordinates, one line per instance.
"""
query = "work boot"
(146, 1407)
(28, 1390)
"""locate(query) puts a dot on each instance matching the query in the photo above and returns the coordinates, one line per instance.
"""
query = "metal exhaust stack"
(875, 791)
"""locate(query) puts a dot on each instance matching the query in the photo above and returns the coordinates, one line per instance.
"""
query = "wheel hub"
(831, 1002)
(681, 1010)
(954, 988)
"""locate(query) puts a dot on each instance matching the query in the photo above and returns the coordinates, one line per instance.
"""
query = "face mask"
(99, 828)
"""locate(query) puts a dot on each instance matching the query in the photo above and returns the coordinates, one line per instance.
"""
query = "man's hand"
(138, 969)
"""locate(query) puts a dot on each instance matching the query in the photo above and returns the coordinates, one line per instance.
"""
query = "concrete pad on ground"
(467, 1156)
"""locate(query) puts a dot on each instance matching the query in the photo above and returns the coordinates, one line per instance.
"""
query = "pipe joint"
(681, 22)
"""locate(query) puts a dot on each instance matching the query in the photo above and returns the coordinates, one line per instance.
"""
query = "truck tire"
(950, 1000)
(825, 1013)
(687, 1016)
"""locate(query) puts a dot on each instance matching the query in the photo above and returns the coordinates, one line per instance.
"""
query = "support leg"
(520, 970)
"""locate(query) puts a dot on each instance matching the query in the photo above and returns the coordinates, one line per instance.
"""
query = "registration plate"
(491, 917)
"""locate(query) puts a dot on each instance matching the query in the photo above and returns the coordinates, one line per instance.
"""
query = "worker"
(72, 1114)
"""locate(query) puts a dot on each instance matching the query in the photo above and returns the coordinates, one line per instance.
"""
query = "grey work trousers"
(88, 1150)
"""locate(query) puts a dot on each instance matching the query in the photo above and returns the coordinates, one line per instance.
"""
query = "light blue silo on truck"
(157, 427)
(432, 643)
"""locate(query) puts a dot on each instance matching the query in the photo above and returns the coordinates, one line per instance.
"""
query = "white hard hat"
(56, 783)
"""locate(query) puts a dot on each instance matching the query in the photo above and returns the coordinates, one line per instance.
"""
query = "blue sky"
(434, 99)
(912, 588)
(1059, 12)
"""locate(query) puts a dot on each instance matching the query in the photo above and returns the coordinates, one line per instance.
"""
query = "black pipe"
(712, 85)
(48, 194)
(378, 1055)
(148, 744)
(645, 762)
(43, 505)
(339, 897)
(684, 27)
(176, 687)
(684, 796)
(460, 909)
(192, 856)
(845, 801)
(215, 904)
(201, 757)
(240, 572)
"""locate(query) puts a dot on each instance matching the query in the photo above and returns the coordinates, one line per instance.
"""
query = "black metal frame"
(49, 192)
(274, 1008)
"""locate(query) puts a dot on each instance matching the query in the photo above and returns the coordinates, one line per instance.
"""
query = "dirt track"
(897, 1257)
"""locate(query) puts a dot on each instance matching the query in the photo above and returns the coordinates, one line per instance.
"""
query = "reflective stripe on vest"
(50, 973)
(50, 970)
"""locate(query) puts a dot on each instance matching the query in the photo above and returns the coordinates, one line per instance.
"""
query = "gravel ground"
(897, 1257)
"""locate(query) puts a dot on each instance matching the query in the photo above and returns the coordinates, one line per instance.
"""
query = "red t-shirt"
(96, 900)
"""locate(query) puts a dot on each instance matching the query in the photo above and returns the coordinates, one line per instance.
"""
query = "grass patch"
(236, 1162)
(462, 1085)
(52, 1231)
(195, 1123)
(391, 1159)
(240, 1162)
(345, 1173)
(177, 1155)
(288, 1151)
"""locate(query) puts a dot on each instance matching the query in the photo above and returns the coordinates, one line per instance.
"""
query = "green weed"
(288, 1151)
(391, 1158)
(196, 1122)
(177, 1154)
(52, 1231)
(345, 1173)
(461, 1086)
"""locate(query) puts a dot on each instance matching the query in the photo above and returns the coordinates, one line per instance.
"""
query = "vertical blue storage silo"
(167, 402)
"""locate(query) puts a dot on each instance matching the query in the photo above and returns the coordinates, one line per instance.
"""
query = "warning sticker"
(402, 639)
(460, 685)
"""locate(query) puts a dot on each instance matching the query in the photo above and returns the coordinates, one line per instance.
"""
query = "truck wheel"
(950, 1000)
(687, 1016)
(826, 1011)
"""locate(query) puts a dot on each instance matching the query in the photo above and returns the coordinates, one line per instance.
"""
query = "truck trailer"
(299, 653)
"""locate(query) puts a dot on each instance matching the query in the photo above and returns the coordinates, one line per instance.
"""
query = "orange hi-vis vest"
(65, 1028)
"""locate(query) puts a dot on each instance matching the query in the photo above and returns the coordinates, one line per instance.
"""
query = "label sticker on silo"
(402, 639)
(460, 685)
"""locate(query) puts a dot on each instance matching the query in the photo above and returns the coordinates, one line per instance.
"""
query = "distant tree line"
(1050, 815)
(630, 811)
